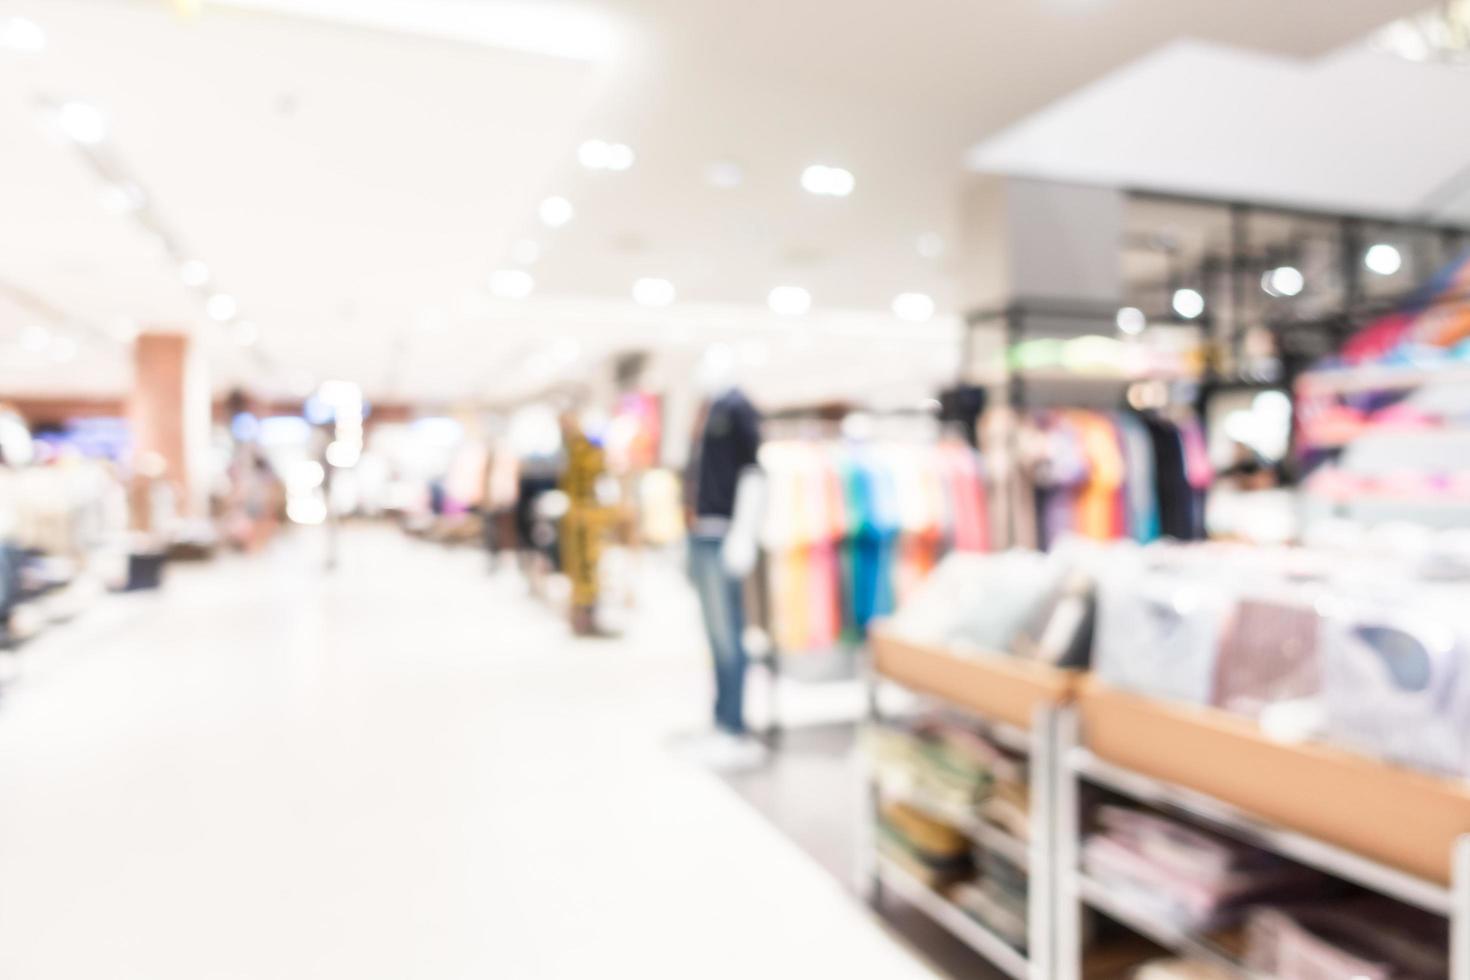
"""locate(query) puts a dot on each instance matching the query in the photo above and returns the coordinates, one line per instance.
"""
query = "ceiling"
(352, 171)
(1359, 131)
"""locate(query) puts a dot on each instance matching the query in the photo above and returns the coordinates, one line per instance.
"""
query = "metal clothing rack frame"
(877, 877)
(1108, 391)
(1074, 890)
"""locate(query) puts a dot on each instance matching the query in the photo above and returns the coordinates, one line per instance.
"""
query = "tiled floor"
(404, 769)
(812, 791)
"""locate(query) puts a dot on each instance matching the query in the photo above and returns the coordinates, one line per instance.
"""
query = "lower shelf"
(954, 919)
(1096, 895)
(987, 835)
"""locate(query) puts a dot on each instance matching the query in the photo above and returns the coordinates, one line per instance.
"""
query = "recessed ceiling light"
(913, 307)
(789, 300)
(20, 34)
(1284, 280)
(511, 283)
(653, 292)
(556, 211)
(724, 174)
(194, 273)
(1130, 320)
(525, 252)
(827, 181)
(1188, 303)
(1383, 259)
(245, 333)
(221, 307)
(592, 154)
(81, 122)
(602, 155)
(929, 245)
(620, 156)
(121, 198)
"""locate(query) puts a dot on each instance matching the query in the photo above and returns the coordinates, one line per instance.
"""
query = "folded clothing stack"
(939, 778)
(929, 850)
(1032, 605)
(946, 765)
(1009, 804)
(997, 897)
(1397, 677)
(1370, 654)
(1187, 877)
(989, 904)
(1368, 938)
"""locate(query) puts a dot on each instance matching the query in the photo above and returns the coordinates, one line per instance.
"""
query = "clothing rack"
(822, 423)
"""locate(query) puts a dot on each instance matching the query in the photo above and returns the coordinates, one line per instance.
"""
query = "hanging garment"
(1098, 499)
(850, 528)
(1139, 486)
(1175, 494)
(967, 497)
(1061, 475)
(1011, 446)
(1197, 471)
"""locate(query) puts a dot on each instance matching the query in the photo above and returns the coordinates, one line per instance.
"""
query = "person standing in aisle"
(583, 524)
(722, 548)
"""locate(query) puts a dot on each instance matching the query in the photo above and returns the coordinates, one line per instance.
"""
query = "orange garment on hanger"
(1098, 513)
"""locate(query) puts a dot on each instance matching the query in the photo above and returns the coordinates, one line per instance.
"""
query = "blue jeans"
(724, 620)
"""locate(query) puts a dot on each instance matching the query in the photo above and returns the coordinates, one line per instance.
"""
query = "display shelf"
(1249, 829)
(1009, 736)
(1324, 803)
(1146, 751)
(1097, 896)
(965, 823)
(954, 919)
(979, 830)
(1004, 843)
(997, 686)
(1016, 702)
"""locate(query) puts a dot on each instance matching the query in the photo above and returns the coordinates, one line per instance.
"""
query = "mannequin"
(727, 495)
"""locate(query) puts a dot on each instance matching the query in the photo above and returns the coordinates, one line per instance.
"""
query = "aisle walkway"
(404, 770)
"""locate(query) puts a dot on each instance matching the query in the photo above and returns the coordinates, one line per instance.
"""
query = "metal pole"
(1239, 216)
(869, 881)
(1041, 881)
(1460, 911)
(1067, 834)
(1352, 276)
(332, 549)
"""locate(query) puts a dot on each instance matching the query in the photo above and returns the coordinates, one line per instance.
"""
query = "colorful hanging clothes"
(849, 528)
(1109, 476)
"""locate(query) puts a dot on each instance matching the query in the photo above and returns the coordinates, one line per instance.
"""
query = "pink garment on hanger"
(1197, 468)
(967, 497)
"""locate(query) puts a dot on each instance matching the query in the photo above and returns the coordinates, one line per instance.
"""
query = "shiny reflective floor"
(401, 769)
